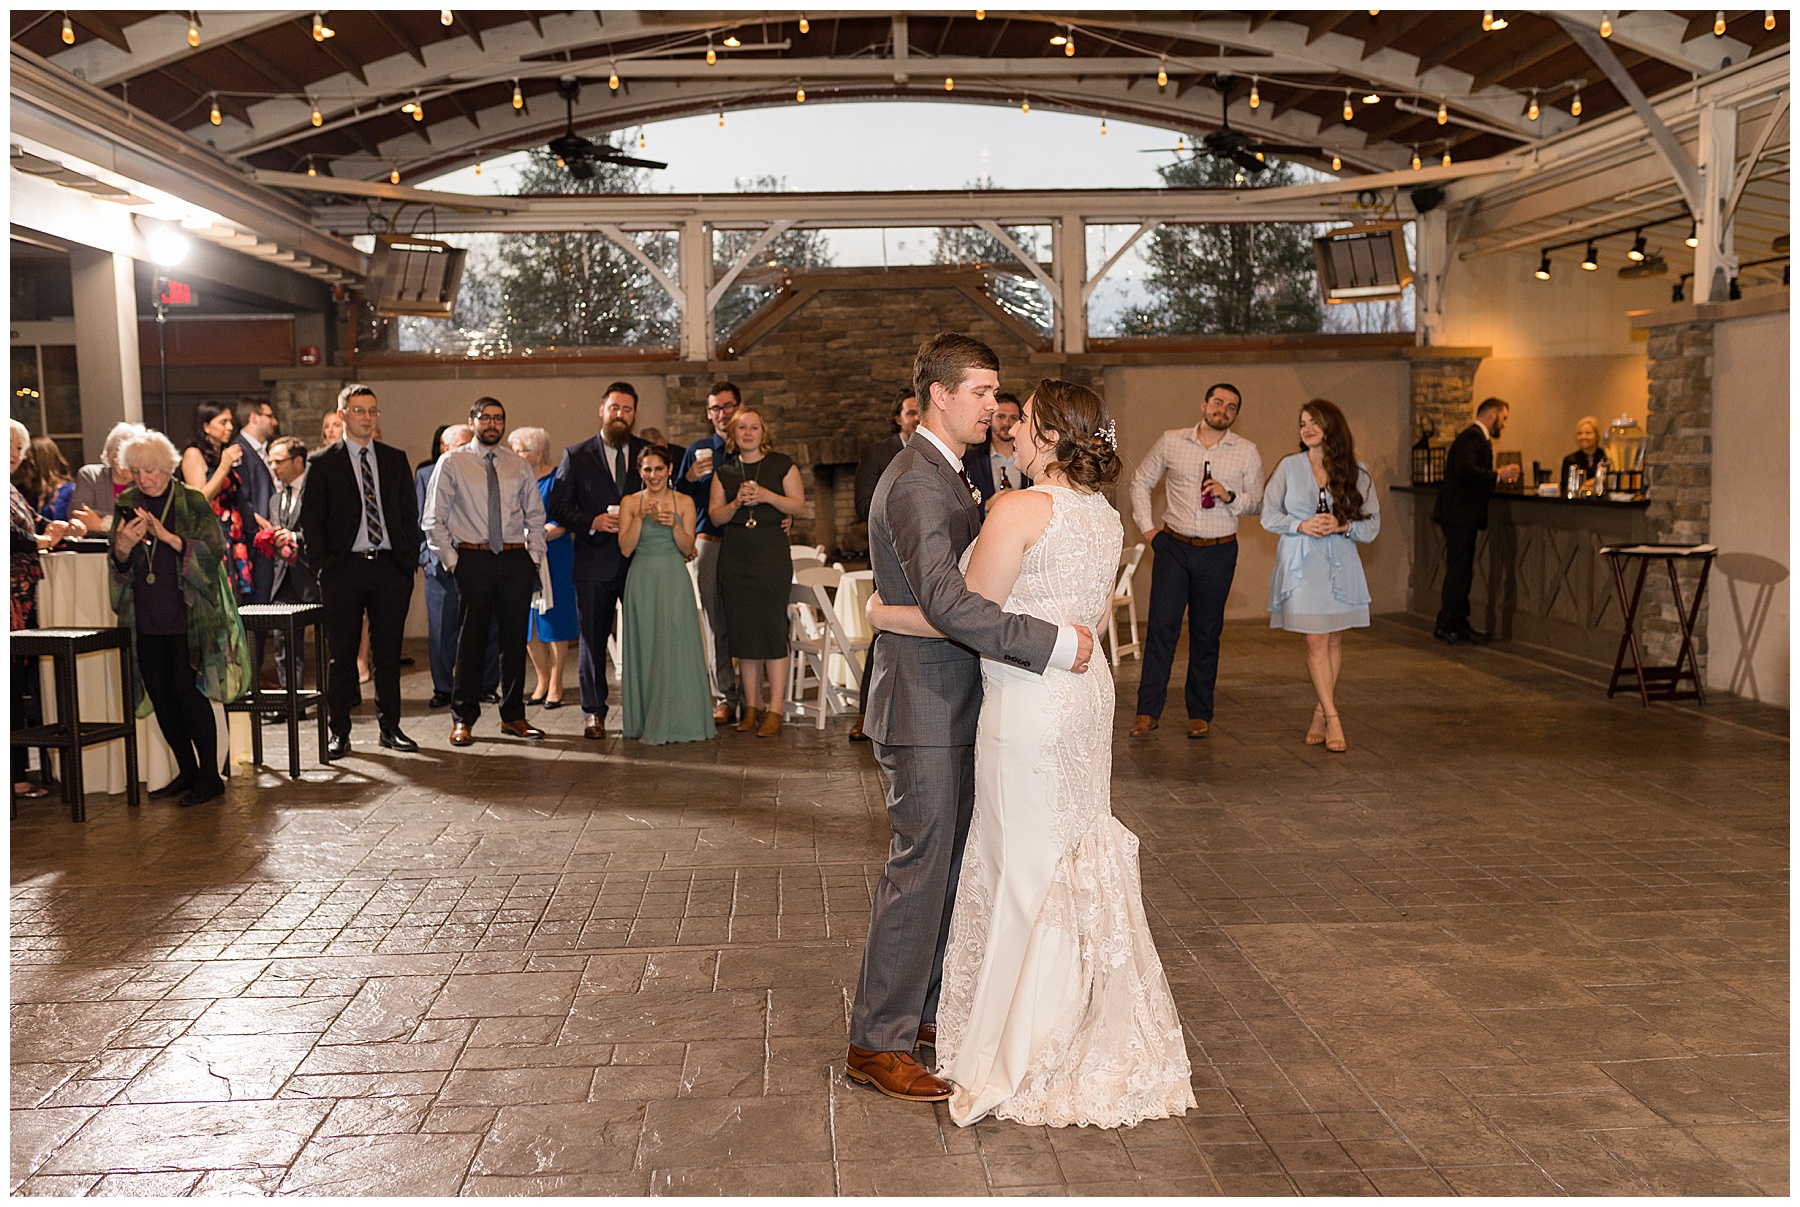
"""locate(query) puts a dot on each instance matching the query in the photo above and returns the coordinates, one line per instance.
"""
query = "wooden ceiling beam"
(262, 66)
(536, 24)
(463, 107)
(1530, 57)
(1697, 24)
(1260, 19)
(1398, 28)
(474, 34)
(1323, 23)
(401, 38)
(200, 88)
(102, 27)
(1445, 51)
(334, 54)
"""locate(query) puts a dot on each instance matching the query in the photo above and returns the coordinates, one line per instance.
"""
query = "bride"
(1054, 1008)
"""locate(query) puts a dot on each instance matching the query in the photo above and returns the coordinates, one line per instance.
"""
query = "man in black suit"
(869, 468)
(593, 479)
(1462, 512)
(360, 522)
(256, 426)
(293, 582)
(990, 463)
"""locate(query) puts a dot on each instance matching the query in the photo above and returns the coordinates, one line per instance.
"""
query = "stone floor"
(1518, 940)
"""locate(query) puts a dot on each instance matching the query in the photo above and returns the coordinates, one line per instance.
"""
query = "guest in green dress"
(667, 696)
(752, 492)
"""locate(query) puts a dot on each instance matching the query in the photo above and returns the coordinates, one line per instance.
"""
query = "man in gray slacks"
(925, 698)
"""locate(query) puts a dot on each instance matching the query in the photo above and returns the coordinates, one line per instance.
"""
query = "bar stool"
(69, 733)
(290, 620)
(1665, 681)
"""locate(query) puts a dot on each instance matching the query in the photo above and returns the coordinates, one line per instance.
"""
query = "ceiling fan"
(580, 154)
(1226, 143)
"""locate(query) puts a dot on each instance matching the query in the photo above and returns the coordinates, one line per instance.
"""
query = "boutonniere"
(975, 491)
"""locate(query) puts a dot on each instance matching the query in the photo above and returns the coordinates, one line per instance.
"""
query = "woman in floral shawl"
(170, 589)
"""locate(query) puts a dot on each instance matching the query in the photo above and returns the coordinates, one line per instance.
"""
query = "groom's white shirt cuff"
(1068, 643)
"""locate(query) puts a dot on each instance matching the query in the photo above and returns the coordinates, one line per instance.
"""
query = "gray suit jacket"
(93, 488)
(926, 691)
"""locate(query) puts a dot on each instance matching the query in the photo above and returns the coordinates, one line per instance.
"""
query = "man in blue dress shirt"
(694, 479)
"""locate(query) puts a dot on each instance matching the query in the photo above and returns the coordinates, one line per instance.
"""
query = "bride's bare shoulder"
(1020, 513)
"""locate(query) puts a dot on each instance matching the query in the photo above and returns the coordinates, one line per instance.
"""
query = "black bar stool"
(290, 620)
(69, 733)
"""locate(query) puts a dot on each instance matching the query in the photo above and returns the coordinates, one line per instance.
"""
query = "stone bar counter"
(1539, 576)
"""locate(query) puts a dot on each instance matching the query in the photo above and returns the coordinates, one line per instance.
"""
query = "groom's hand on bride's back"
(1084, 648)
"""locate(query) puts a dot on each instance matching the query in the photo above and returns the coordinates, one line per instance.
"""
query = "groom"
(923, 703)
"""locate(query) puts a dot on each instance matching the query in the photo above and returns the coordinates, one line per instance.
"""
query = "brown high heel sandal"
(1315, 733)
(1336, 745)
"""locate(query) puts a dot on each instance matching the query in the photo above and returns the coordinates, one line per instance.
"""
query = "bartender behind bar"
(1587, 458)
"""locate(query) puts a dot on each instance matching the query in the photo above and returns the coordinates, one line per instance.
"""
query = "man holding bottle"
(1213, 477)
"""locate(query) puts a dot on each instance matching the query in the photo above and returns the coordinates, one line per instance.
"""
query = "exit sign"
(178, 293)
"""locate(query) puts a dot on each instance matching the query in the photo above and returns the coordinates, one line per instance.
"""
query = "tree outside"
(1010, 284)
(791, 251)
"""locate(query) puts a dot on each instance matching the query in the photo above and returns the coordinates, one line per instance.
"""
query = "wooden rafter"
(1323, 23)
(1444, 51)
(401, 38)
(1394, 30)
(263, 67)
(200, 88)
(334, 54)
(102, 27)
(469, 29)
(1531, 56)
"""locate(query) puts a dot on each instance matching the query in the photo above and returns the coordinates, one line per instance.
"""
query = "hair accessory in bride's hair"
(1110, 434)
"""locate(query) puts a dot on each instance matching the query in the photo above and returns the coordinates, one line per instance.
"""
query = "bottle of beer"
(1206, 500)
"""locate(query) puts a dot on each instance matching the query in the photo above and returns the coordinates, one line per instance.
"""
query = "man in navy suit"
(593, 479)
(256, 426)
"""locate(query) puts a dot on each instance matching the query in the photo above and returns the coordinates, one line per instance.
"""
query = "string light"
(1768, 18)
(1057, 39)
(320, 30)
(559, 161)
(1575, 105)
(1446, 157)
(1162, 75)
(805, 25)
(981, 14)
(800, 95)
(721, 119)
(949, 84)
(193, 29)
(1417, 163)
(318, 119)
(733, 41)
(477, 165)
(1103, 127)
(1025, 106)
(612, 81)
(1349, 113)
(213, 116)
(444, 17)
(1255, 96)
(712, 56)
(394, 174)
(1543, 268)
(1371, 98)
(1180, 144)
(311, 170)
(1606, 25)
(643, 142)
(1590, 261)
(68, 31)
(1443, 112)
(1531, 110)
(518, 96)
(1719, 24)
(1337, 165)
(1487, 20)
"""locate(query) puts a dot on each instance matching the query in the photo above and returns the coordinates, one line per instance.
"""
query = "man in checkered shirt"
(1214, 476)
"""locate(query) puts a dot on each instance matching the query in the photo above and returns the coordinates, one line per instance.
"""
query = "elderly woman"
(27, 542)
(43, 477)
(209, 465)
(1588, 456)
(752, 493)
(170, 589)
(554, 628)
(98, 486)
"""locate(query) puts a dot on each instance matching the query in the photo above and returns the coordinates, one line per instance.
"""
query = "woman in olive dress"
(752, 492)
(666, 692)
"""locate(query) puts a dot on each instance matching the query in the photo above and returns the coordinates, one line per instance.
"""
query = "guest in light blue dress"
(554, 628)
(1321, 502)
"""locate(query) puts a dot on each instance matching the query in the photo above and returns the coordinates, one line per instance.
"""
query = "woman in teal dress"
(1321, 502)
(667, 696)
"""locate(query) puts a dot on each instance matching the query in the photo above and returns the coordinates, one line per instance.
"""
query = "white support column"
(1715, 260)
(1431, 243)
(106, 343)
(1068, 257)
(696, 312)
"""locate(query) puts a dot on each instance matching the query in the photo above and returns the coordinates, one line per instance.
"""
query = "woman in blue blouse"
(1321, 503)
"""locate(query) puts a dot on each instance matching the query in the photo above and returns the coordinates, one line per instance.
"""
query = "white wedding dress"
(1054, 1007)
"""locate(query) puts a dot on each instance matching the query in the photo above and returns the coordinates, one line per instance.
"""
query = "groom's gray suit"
(924, 700)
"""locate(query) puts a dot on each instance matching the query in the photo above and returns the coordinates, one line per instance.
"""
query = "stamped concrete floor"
(1518, 940)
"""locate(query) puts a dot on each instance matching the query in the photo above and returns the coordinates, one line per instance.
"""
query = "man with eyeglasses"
(294, 581)
(694, 479)
(360, 522)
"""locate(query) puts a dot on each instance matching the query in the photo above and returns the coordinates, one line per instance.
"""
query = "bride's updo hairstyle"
(1085, 447)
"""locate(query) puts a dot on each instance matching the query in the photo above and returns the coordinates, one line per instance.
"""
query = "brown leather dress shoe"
(1197, 729)
(927, 1036)
(1141, 725)
(722, 714)
(856, 730)
(594, 726)
(897, 1075)
(521, 729)
(461, 735)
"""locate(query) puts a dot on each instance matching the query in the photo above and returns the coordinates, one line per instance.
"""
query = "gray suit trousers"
(930, 800)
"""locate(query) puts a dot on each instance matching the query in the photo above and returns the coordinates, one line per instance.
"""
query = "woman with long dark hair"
(209, 465)
(43, 477)
(1321, 502)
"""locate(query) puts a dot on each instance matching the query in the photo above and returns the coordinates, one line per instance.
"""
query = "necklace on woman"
(755, 469)
(150, 541)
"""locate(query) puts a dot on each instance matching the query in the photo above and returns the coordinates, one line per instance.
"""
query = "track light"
(1255, 96)
(733, 41)
(800, 95)
(1719, 24)
(1349, 113)
(949, 84)
(518, 96)
(394, 175)
(320, 30)
(1337, 165)
(68, 31)
(1591, 260)
(1543, 268)
(193, 29)
(213, 116)
(444, 16)
(1637, 247)
(805, 25)
(1443, 112)
(1575, 105)
(1606, 25)
(1693, 239)
(318, 118)
(1531, 110)
(1417, 163)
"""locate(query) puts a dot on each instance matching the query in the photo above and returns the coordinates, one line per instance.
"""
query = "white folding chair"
(615, 642)
(853, 592)
(816, 639)
(1125, 596)
(806, 555)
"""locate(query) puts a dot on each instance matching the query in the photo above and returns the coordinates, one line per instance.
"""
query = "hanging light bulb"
(1057, 39)
(733, 41)
(1487, 20)
(612, 81)
(1443, 112)
(1637, 247)
(1591, 260)
(1693, 239)
(1446, 157)
(1103, 127)
(1349, 113)
(1374, 12)
(408, 107)
(1255, 95)
(1180, 144)
(418, 113)
(68, 31)
(1575, 105)
(800, 95)
(805, 25)
(712, 56)
(949, 84)
(394, 174)
(1768, 18)
(1025, 106)
(1606, 25)
(311, 170)
(444, 16)
(1069, 46)
(1337, 165)
(318, 119)
(721, 119)
(1371, 98)
(643, 142)
(478, 165)
(1417, 163)
(1531, 110)
(518, 96)
(1543, 268)
(320, 30)
(1162, 75)
(981, 14)
(1259, 157)
(213, 116)
(193, 29)
(1719, 24)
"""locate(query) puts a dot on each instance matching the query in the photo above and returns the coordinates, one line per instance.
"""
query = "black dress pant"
(493, 590)
(596, 604)
(182, 713)
(1195, 581)
(350, 588)
(1459, 576)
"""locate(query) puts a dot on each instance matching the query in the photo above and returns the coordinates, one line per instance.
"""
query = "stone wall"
(1677, 473)
(1443, 393)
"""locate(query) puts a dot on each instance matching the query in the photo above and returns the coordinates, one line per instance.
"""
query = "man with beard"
(1214, 476)
(484, 521)
(593, 479)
